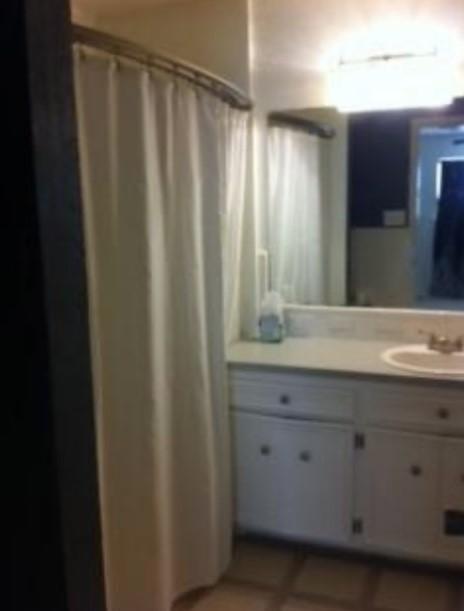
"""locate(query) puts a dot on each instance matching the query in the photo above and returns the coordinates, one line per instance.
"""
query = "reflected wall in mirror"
(367, 209)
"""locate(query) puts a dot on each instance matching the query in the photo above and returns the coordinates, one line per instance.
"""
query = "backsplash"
(371, 324)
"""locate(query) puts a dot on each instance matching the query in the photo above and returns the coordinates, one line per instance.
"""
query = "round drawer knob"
(416, 471)
(443, 413)
(284, 399)
(265, 450)
(305, 456)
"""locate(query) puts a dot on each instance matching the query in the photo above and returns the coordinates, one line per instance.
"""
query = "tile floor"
(278, 578)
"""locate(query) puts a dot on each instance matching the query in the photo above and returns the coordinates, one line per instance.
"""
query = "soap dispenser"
(271, 319)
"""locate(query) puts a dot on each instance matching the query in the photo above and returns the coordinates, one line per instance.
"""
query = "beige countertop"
(326, 355)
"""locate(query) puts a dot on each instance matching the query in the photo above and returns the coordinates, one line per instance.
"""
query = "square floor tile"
(227, 597)
(402, 591)
(331, 578)
(260, 565)
(299, 605)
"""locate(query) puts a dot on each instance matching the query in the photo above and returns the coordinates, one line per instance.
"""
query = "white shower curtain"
(153, 152)
(296, 227)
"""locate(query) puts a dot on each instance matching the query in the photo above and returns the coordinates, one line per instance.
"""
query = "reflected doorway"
(439, 216)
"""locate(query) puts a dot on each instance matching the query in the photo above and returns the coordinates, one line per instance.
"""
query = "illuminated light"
(397, 62)
(393, 36)
(391, 82)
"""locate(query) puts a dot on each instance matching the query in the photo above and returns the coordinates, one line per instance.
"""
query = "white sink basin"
(419, 359)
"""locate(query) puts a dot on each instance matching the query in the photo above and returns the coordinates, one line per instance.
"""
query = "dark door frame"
(54, 531)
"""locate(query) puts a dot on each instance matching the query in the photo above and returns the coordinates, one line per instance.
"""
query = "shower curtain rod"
(199, 77)
(282, 119)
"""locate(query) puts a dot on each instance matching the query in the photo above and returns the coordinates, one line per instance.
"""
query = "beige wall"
(381, 266)
(210, 33)
(284, 88)
(82, 16)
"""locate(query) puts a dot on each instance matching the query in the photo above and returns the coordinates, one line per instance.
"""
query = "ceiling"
(306, 34)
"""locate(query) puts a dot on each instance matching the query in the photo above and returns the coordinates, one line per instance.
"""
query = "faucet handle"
(432, 337)
(443, 343)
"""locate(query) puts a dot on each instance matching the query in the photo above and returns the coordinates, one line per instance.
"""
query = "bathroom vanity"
(332, 446)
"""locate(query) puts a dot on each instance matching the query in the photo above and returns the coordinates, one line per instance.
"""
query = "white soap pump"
(271, 319)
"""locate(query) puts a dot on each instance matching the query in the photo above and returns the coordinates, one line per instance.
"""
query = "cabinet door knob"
(305, 456)
(443, 413)
(416, 470)
(265, 450)
(284, 399)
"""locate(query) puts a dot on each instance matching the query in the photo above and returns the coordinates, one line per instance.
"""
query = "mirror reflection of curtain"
(448, 255)
(234, 137)
(296, 216)
(158, 158)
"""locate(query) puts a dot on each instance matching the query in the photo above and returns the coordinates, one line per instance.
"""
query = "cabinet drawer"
(406, 409)
(290, 399)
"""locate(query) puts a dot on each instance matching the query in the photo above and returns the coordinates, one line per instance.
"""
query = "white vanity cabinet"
(367, 465)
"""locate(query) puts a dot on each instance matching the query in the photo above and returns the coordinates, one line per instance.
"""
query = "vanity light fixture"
(387, 82)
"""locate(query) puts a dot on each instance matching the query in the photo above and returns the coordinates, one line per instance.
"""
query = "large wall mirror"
(367, 209)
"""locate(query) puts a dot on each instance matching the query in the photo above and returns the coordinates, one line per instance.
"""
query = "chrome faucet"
(444, 344)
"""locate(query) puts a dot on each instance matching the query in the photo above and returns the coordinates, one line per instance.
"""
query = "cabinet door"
(401, 491)
(453, 495)
(260, 470)
(294, 478)
(319, 482)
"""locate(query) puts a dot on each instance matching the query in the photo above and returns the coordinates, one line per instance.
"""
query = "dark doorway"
(448, 254)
